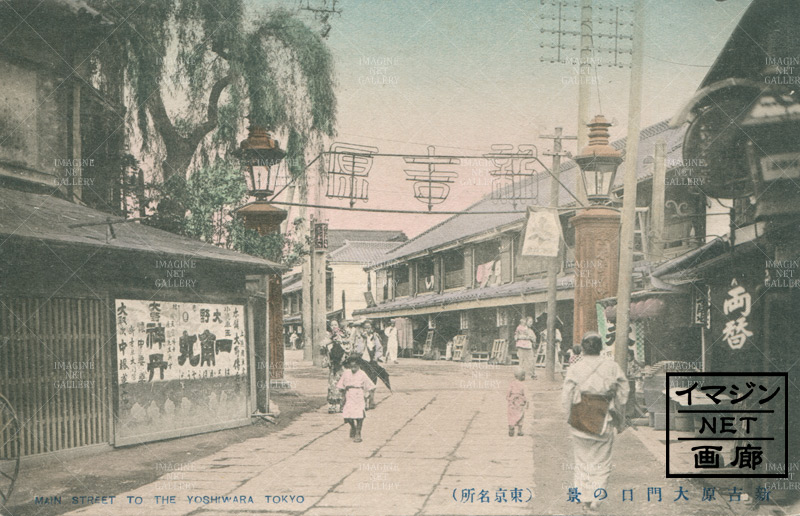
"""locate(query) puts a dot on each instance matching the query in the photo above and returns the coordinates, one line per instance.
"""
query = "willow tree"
(195, 71)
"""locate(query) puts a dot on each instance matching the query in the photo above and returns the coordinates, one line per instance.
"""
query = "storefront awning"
(516, 293)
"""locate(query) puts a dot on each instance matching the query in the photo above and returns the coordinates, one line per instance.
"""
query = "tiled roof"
(338, 237)
(466, 225)
(50, 219)
(361, 252)
(516, 288)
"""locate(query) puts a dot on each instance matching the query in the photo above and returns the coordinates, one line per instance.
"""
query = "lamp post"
(257, 155)
(596, 229)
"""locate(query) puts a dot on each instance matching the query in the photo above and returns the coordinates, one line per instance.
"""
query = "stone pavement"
(429, 448)
(436, 434)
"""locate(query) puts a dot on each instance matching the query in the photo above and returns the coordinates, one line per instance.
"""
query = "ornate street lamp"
(598, 162)
(773, 129)
(596, 229)
(258, 154)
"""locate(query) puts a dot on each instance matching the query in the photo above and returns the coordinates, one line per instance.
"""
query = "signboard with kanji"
(181, 368)
(161, 341)
(735, 312)
(320, 236)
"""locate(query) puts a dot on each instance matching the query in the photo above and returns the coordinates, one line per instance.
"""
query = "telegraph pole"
(584, 90)
(554, 266)
(629, 200)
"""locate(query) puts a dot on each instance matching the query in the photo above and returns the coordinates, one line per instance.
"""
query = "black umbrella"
(374, 371)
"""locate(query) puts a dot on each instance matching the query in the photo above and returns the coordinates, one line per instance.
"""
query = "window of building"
(425, 276)
(401, 281)
(453, 262)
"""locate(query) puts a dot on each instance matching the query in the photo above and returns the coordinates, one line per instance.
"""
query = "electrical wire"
(417, 212)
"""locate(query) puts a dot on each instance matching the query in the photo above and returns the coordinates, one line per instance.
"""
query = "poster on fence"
(197, 355)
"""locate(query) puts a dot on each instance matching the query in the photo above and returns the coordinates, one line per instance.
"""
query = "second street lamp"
(598, 162)
(596, 229)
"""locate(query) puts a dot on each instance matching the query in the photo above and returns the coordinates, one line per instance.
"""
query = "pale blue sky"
(462, 75)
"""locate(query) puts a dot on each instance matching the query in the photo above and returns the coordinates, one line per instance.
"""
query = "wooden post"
(657, 205)
(629, 201)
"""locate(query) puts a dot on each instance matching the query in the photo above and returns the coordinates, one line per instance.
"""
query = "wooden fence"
(55, 370)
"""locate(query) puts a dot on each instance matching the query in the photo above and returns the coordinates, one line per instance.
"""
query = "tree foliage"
(209, 198)
(196, 68)
(191, 73)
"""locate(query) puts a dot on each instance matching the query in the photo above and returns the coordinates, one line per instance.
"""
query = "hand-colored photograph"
(399, 258)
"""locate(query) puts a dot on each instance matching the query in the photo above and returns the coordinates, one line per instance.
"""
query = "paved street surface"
(440, 434)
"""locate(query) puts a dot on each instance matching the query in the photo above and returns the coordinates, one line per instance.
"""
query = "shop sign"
(736, 307)
(542, 233)
(161, 341)
(320, 236)
(701, 307)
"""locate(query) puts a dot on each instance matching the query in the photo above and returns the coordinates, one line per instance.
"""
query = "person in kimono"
(516, 402)
(391, 342)
(356, 387)
(525, 337)
(594, 375)
(336, 351)
(368, 346)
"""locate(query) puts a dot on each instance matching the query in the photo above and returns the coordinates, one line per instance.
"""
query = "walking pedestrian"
(516, 402)
(335, 351)
(368, 346)
(525, 337)
(391, 342)
(355, 386)
(595, 390)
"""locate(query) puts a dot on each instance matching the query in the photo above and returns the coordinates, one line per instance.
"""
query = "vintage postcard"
(408, 258)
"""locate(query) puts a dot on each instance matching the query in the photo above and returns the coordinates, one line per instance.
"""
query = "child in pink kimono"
(516, 402)
(356, 386)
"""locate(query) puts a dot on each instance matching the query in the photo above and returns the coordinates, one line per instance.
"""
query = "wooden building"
(111, 332)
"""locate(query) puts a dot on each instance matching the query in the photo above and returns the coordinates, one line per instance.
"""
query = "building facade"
(467, 276)
(113, 332)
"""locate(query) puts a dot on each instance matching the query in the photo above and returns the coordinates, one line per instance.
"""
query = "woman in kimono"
(356, 387)
(336, 351)
(594, 376)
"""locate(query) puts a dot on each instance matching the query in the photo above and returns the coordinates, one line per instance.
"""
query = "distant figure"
(371, 351)
(543, 342)
(525, 337)
(391, 342)
(293, 340)
(448, 353)
(516, 402)
(574, 354)
(335, 351)
(356, 387)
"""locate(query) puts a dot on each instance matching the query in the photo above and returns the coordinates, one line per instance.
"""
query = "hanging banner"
(181, 369)
(542, 233)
